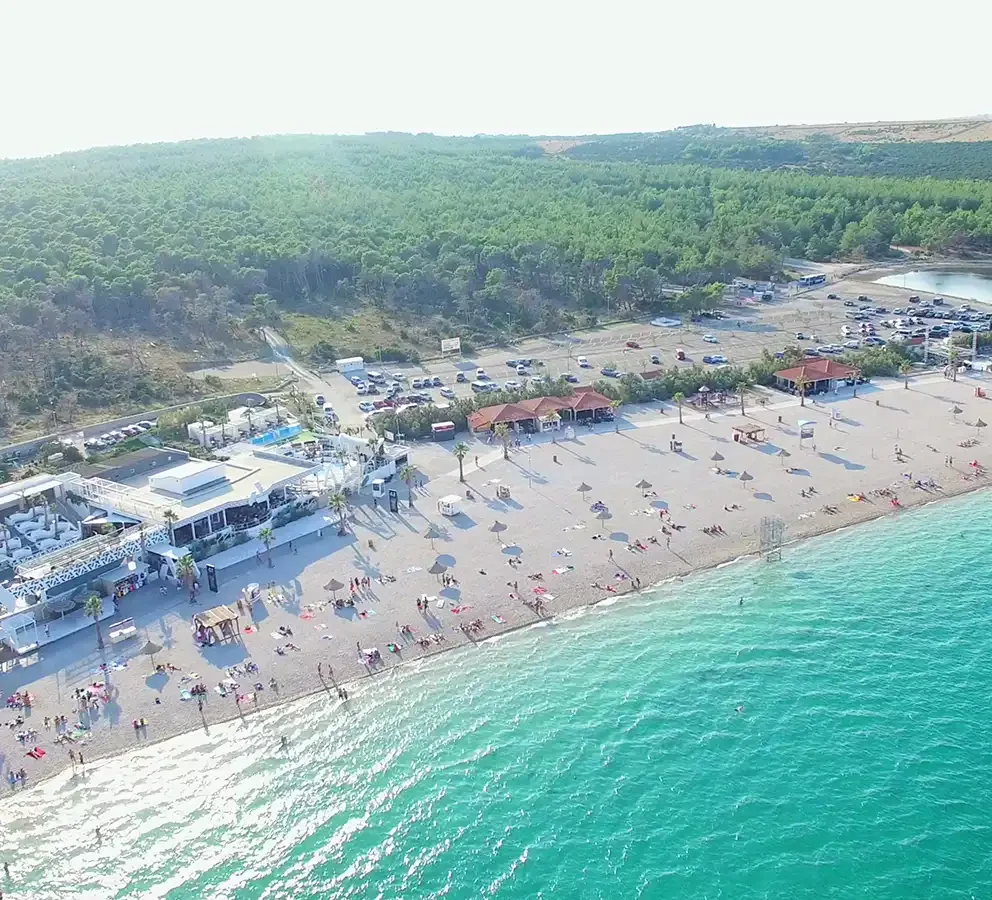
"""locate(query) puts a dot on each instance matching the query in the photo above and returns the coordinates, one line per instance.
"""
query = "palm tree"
(679, 398)
(186, 572)
(904, 369)
(742, 389)
(170, 519)
(93, 607)
(460, 451)
(406, 475)
(952, 361)
(502, 431)
(265, 536)
(615, 405)
(337, 501)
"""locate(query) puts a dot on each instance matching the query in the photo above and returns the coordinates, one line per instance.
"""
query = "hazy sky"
(78, 74)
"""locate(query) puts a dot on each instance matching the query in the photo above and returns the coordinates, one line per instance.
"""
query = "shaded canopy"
(745, 476)
(717, 456)
(438, 568)
(333, 585)
(583, 488)
(218, 615)
(497, 527)
(643, 485)
(150, 649)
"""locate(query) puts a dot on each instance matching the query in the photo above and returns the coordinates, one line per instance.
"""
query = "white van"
(584, 363)
(480, 387)
(375, 377)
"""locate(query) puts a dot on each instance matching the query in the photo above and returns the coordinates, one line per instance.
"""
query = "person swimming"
(284, 742)
(740, 709)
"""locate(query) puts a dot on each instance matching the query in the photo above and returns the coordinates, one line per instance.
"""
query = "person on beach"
(320, 674)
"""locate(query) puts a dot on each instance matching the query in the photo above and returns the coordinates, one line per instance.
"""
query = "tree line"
(200, 243)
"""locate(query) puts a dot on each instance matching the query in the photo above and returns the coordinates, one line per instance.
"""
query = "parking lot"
(746, 329)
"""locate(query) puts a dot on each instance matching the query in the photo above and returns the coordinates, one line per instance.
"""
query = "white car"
(584, 363)
(847, 331)
(362, 388)
(512, 385)
(366, 406)
(710, 339)
(481, 375)
(852, 345)
(397, 376)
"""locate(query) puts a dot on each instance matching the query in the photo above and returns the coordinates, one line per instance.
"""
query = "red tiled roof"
(543, 406)
(584, 399)
(587, 399)
(816, 370)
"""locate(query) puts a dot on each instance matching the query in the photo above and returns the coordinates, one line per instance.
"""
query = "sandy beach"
(551, 530)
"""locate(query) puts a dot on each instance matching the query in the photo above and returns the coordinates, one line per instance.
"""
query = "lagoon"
(964, 285)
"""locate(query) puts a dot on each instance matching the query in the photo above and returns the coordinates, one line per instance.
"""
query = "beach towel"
(539, 590)
(459, 609)
(250, 629)
(413, 569)
(392, 648)
(561, 570)
(320, 627)
(440, 602)
(498, 619)
(185, 695)
(276, 635)
(38, 752)
(306, 615)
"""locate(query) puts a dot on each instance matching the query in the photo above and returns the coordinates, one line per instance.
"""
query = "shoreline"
(738, 554)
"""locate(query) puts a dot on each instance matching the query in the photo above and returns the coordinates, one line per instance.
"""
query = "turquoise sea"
(600, 757)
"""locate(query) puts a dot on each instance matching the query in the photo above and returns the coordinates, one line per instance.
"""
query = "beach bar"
(818, 375)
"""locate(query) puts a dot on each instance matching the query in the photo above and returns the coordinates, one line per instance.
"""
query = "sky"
(82, 74)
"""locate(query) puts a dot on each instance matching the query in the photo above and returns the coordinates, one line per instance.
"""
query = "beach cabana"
(221, 621)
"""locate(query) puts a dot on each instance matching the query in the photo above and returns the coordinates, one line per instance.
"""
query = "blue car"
(574, 379)
(608, 372)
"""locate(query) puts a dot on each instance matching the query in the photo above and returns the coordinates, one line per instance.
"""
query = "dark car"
(849, 303)
(609, 372)
(513, 363)
(436, 381)
(832, 297)
(574, 379)
(460, 378)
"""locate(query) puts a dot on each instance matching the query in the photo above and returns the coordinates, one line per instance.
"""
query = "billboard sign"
(451, 345)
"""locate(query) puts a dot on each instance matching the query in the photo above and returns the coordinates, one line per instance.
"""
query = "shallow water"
(601, 756)
(963, 285)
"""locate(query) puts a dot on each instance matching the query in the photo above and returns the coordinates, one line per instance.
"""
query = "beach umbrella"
(782, 454)
(643, 485)
(150, 649)
(583, 489)
(717, 457)
(979, 425)
(333, 586)
(60, 605)
(497, 527)
(603, 515)
(431, 534)
(438, 569)
(745, 477)
(956, 411)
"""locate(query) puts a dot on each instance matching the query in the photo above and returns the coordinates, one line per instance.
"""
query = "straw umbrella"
(603, 515)
(496, 528)
(782, 454)
(150, 649)
(438, 569)
(333, 586)
(717, 456)
(956, 411)
(583, 489)
(643, 485)
(744, 477)
(431, 534)
(979, 425)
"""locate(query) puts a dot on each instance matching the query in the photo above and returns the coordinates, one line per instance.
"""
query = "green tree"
(679, 399)
(170, 519)
(186, 572)
(460, 451)
(905, 369)
(266, 536)
(339, 503)
(93, 607)
(406, 474)
(502, 431)
(742, 387)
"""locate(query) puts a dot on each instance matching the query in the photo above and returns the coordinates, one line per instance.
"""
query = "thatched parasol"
(431, 533)
(979, 425)
(603, 515)
(782, 454)
(583, 489)
(438, 569)
(745, 476)
(643, 485)
(717, 457)
(150, 649)
(497, 527)
(333, 586)
(956, 410)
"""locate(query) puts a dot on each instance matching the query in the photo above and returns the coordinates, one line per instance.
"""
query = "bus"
(810, 280)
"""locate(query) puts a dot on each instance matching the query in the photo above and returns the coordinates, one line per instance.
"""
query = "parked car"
(850, 303)
(461, 378)
(710, 339)
(512, 385)
(609, 372)
(355, 380)
(872, 342)
(680, 354)
(852, 345)
(573, 379)
(584, 363)
(521, 370)
(633, 345)
(656, 359)
(448, 393)
(397, 376)
(802, 337)
(366, 406)
(362, 388)
(481, 375)
(715, 360)
(436, 381)
(417, 383)
(832, 297)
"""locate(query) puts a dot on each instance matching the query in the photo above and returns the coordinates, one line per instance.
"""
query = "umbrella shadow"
(156, 681)
(685, 455)
(463, 522)
(447, 560)
(659, 504)
(346, 612)
(763, 495)
(512, 550)
(620, 536)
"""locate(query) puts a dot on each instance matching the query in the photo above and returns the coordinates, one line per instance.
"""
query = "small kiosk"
(450, 505)
(378, 487)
